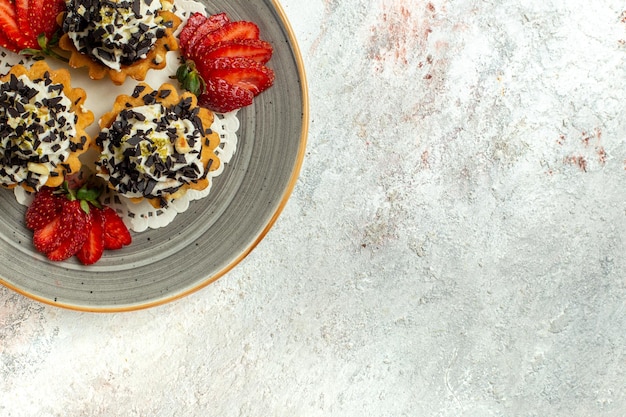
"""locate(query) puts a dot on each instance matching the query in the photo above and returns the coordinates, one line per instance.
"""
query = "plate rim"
(295, 174)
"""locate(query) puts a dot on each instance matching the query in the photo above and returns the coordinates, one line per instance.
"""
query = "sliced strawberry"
(44, 208)
(70, 222)
(65, 250)
(23, 20)
(6, 43)
(116, 234)
(239, 30)
(255, 49)
(43, 16)
(255, 79)
(10, 26)
(230, 58)
(223, 97)
(74, 227)
(241, 72)
(189, 30)
(48, 237)
(206, 67)
(92, 249)
(212, 23)
(236, 30)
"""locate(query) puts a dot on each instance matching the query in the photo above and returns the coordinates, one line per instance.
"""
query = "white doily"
(140, 216)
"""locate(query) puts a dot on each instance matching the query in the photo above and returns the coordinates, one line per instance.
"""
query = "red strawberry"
(228, 58)
(43, 16)
(189, 30)
(23, 20)
(44, 208)
(254, 49)
(48, 237)
(222, 97)
(71, 223)
(10, 27)
(211, 24)
(74, 228)
(6, 43)
(241, 72)
(239, 30)
(92, 249)
(116, 234)
(65, 250)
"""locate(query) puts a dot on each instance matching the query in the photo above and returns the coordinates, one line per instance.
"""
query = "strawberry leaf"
(46, 46)
(84, 205)
(189, 78)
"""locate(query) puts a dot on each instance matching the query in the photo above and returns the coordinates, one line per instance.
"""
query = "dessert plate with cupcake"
(147, 147)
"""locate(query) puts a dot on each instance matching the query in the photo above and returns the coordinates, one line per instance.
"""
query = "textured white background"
(455, 245)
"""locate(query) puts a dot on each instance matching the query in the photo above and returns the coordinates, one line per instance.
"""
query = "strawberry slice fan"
(73, 222)
(224, 61)
(27, 24)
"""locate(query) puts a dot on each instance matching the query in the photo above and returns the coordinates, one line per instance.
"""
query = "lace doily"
(141, 216)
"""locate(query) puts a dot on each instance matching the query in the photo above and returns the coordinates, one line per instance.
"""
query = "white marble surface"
(454, 247)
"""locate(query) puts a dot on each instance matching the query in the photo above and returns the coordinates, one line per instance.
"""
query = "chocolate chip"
(138, 90)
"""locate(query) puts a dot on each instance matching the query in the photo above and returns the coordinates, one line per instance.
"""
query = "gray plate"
(215, 233)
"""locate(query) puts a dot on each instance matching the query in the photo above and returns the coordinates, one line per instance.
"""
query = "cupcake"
(118, 37)
(42, 127)
(156, 145)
